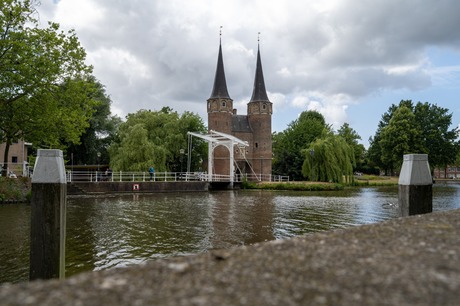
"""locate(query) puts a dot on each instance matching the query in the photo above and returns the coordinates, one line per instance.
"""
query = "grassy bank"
(16, 190)
(374, 180)
(299, 186)
(365, 180)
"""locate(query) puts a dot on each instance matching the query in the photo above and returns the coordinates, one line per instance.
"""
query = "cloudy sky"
(348, 59)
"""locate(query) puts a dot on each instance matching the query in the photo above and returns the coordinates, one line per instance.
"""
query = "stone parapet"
(405, 261)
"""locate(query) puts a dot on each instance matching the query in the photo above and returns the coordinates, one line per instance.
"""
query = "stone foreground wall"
(406, 261)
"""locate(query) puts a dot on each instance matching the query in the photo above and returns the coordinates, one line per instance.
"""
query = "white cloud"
(316, 55)
(81, 14)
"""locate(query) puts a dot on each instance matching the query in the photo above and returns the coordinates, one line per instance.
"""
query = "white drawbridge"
(216, 139)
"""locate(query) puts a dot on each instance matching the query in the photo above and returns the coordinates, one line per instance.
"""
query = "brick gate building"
(255, 127)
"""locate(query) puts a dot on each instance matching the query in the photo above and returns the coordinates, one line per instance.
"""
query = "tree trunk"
(5, 159)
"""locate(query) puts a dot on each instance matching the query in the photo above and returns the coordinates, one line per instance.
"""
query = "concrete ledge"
(405, 261)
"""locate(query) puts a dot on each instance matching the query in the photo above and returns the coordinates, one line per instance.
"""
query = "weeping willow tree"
(135, 152)
(155, 138)
(329, 159)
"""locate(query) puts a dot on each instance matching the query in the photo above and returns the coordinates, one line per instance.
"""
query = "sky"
(350, 60)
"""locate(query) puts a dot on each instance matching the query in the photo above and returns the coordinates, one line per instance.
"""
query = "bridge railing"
(130, 176)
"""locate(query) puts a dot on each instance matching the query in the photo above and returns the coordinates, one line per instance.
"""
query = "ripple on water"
(106, 232)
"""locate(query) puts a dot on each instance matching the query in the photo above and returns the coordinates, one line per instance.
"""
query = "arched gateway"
(253, 129)
(233, 144)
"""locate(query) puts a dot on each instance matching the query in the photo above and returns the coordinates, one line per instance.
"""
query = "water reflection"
(106, 232)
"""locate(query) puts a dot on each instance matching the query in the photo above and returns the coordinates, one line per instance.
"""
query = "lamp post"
(98, 157)
(312, 154)
(181, 151)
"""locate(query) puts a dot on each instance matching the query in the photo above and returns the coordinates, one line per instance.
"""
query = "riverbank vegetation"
(359, 181)
(297, 186)
(15, 190)
(375, 180)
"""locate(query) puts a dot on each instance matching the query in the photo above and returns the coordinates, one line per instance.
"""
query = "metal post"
(48, 219)
(415, 186)
(210, 160)
(232, 167)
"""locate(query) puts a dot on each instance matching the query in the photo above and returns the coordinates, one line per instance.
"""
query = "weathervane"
(258, 37)
(220, 31)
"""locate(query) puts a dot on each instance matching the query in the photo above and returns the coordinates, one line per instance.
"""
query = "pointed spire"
(220, 84)
(259, 93)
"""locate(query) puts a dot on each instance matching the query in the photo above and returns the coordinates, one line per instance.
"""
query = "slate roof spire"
(219, 89)
(259, 93)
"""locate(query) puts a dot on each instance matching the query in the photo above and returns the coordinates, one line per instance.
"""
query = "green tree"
(43, 93)
(401, 136)
(374, 153)
(157, 138)
(440, 142)
(100, 133)
(135, 152)
(351, 137)
(407, 128)
(329, 159)
(288, 145)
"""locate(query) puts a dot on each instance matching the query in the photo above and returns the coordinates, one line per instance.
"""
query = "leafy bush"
(14, 189)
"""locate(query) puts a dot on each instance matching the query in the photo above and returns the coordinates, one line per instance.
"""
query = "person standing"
(151, 172)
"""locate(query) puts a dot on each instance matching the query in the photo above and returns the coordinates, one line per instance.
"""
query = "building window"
(14, 159)
(256, 145)
(224, 104)
(264, 106)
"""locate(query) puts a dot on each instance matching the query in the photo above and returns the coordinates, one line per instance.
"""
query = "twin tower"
(255, 127)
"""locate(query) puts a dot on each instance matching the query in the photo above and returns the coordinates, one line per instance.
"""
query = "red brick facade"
(451, 172)
(255, 127)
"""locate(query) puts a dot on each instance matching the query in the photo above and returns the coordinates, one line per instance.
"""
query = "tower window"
(264, 106)
(224, 104)
(256, 144)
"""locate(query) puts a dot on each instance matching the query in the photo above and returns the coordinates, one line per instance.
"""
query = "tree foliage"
(401, 136)
(288, 145)
(156, 138)
(407, 128)
(100, 133)
(329, 159)
(43, 88)
(351, 137)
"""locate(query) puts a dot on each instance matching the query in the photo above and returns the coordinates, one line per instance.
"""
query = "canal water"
(115, 231)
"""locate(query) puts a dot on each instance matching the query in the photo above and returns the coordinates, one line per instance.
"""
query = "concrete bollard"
(48, 219)
(415, 186)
